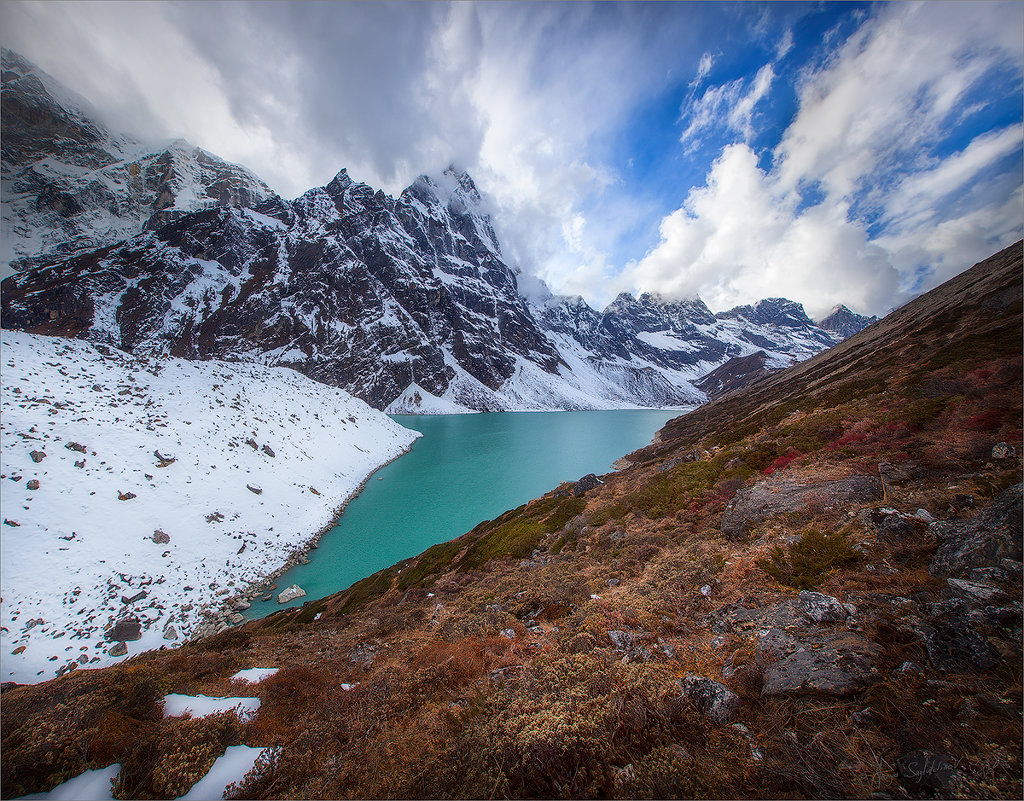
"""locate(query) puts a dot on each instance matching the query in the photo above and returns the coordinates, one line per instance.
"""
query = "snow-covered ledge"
(152, 491)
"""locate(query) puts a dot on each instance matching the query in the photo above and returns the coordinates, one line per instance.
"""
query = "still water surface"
(464, 469)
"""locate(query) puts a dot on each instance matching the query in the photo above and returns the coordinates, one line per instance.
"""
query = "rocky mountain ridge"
(405, 302)
(71, 185)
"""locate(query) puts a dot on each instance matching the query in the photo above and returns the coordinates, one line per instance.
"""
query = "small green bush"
(809, 559)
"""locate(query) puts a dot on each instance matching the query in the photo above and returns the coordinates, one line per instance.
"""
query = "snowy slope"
(70, 184)
(262, 459)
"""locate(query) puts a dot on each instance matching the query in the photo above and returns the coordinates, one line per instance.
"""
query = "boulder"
(170, 633)
(269, 451)
(714, 700)
(991, 536)
(779, 495)
(254, 489)
(290, 594)
(976, 592)
(160, 538)
(822, 608)
(128, 628)
(118, 649)
(585, 484)
(622, 640)
(817, 664)
(951, 640)
(130, 599)
(37, 456)
(32, 484)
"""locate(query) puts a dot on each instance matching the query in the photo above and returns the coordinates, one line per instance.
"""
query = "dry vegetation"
(540, 654)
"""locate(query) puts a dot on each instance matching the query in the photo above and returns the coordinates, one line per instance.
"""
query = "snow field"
(166, 488)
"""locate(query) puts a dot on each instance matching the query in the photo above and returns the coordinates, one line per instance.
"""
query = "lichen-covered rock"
(117, 649)
(585, 484)
(778, 496)
(952, 641)
(714, 700)
(161, 537)
(976, 592)
(816, 664)
(994, 534)
(822, 608)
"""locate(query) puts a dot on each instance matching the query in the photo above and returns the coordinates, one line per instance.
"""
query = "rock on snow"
(90, 527)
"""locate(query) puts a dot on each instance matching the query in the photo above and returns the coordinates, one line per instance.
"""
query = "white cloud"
(737, 239)
(865, 125)
(703, 68)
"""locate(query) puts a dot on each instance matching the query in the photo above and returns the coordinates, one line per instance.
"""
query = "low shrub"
(809, 559)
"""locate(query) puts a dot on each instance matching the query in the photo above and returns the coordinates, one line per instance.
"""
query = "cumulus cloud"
(866, 149)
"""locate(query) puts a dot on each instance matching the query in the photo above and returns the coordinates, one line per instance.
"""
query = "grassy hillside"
(542, 654)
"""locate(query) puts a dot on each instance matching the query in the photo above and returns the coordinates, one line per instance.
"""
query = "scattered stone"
(83, 659)
(254, 489)
(33, 484)
(585, 484)
(290, 594)
(118, 649)
(706, 590)
(1002, 450)
(137, 597)
(12, 523)
(508, 634)
(1013, 566)
(76, 446)
(252, 444)
(161, 537)
(714, 700)
(37, 456)
(314, 490)
(170, 633)
(925, 770)
(269, 451)
(909, 668)
(163, 460)
(80, 464)
(992, 535)
(822, 608)
(234, 619)
(125, 496)
(126, 629)
(613, 582)
(622, 640)
(924, 516)
(18, 650)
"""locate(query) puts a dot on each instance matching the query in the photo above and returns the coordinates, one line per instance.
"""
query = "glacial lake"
(464, 469)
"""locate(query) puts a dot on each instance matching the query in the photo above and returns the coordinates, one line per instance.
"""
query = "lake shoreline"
(219, 618)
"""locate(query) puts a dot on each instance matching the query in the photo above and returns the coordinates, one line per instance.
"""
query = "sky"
(830, 153)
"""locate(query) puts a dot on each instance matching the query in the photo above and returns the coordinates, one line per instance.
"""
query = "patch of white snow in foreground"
(237, 761)
(93, 784)
(199, 706)
(254, 675)
(156, 490)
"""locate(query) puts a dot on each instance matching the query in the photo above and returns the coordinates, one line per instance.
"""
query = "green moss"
(434, 561)
(369, 588)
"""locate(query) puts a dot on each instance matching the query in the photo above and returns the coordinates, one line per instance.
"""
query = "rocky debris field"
(129, 518)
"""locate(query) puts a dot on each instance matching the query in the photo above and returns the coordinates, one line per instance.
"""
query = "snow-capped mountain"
(844, 323)
(71, 185)
(407, 302)
(403, 302)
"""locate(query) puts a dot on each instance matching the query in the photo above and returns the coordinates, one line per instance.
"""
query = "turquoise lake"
(464, 469)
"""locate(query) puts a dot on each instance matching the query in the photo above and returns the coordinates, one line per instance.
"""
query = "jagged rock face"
(844, 323)
(736, 373)
(347, 285)
(389, 299)
(71, 185)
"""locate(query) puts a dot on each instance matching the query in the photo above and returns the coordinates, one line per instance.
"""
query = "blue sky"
(832, 153)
